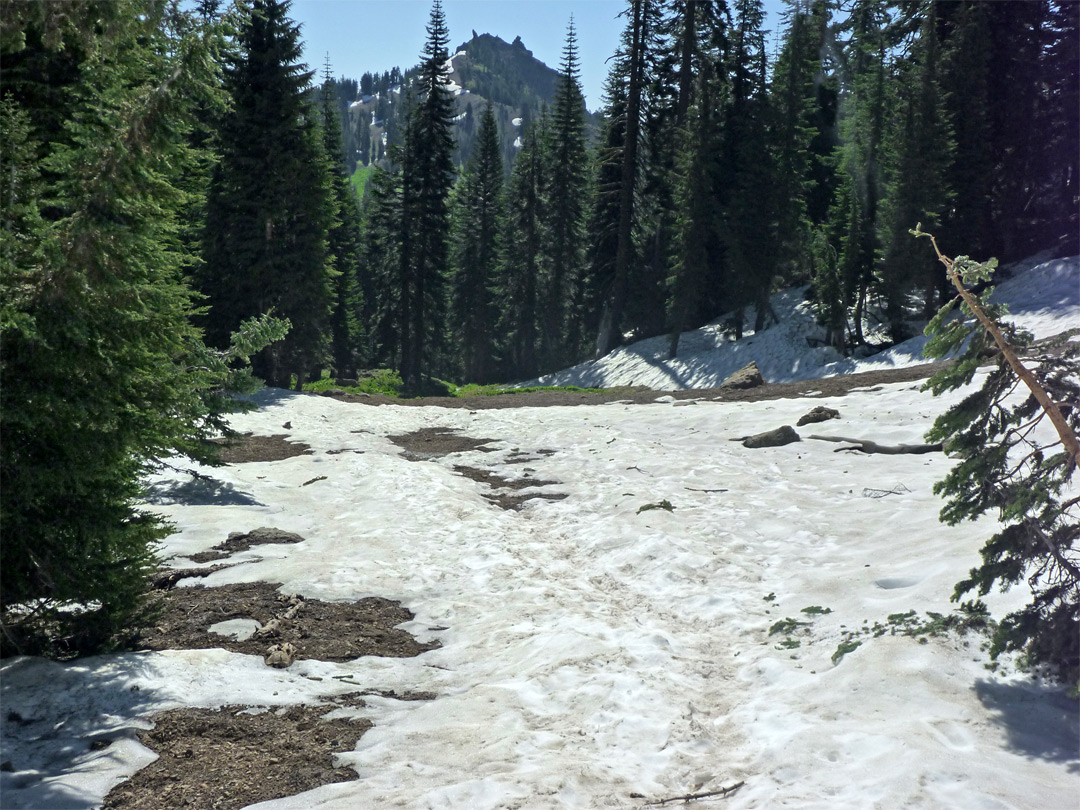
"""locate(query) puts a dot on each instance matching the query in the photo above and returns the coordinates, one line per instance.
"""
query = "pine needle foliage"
(1013, 467)
(103, 375)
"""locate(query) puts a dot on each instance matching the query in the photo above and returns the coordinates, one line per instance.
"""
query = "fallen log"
(868, 446)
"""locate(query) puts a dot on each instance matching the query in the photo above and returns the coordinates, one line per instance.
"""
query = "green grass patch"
(786, 626)
(385, 381)
(816, 610)
(359, 180)
(844, 648)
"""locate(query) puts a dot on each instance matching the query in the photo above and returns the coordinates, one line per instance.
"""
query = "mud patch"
(513, 503)
(426, 443)
(231, 758)
(506, 500)
(244, 449)
(242, 541)
(327, 631)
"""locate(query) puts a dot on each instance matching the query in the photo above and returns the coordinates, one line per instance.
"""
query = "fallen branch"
(900, 489)
(867, 446)
(689, 797)
(695, 489)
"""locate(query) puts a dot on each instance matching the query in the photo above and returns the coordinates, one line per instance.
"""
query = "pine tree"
(103, 375)
(863, 111)
(697, 211)
(633, 61)
(523, 263)
(917, 192)
(343, 244)
(476, 251)
(1017, 457)
(380, 291)
(427, 177)
(565, 213)
(270, 205)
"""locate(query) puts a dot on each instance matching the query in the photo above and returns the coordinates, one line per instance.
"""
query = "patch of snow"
(515, 122)
(517, 142)
(1043, 298)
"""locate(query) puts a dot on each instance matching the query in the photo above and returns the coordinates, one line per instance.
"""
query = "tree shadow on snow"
(62, 719)
(201, 491)
(1039, 722)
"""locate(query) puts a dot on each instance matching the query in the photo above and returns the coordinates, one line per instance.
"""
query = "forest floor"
(235, 756)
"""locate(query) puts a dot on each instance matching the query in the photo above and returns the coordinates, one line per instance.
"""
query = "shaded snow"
(592, 650)
(1044, 299)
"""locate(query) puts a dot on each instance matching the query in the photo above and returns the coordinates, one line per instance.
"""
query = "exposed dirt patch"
(505, 500)
(242, 541)
(227, 758)
(426, 443)
(243, 449)
(328, 631)
(512, 503)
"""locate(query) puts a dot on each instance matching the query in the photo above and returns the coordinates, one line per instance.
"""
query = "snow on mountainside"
(1043, 297)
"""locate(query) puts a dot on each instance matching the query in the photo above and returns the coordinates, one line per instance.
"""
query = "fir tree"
(427, 177)
(633, 65)
(103, 375)
(380, 291)
(343, 244)
(917, 192)
(565, 226)
(476, 251)
(1018, 456)
(271, 205)
(523, 263)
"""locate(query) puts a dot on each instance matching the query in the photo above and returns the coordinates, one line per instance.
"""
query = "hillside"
(1043, 297)
(483, 69)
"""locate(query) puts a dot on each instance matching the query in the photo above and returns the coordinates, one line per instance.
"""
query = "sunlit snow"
(1043, 297)
(592, 650)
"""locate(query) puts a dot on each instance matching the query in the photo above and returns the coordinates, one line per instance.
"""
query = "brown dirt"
(327, 631)
(505, 500)
(242, 541)
(243, 449)
(825, 387)
(226, 759)
(426, 443)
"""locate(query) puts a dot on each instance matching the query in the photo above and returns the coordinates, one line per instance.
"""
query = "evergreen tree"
(270, 206)
(697, 212)
(565, 214)
(427, 177)
(917, 192)
(631, 63)
(523, 263)
(1017, 457)
(380, 291)
(476, 251)
(863, 110)
(343, 244)
(102, 375)
(748, 174)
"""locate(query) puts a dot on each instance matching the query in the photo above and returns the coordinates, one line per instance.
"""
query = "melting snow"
(593, 650)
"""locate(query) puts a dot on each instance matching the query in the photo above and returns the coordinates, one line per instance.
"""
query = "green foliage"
(103, 375)
(1009, 469)
(359, 180)
(843, 648)
(271, 203)
(664, 504)
(816, 610)
(788, 625)
(384, 381)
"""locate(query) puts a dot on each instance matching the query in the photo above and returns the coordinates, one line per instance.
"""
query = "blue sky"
(376, 35)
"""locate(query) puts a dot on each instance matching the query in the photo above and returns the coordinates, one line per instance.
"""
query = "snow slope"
(1043, 297)
(592, 650)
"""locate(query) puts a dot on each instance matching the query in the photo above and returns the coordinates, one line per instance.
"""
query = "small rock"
(348, 382)
(334, 392)
(280, 656)
(287, 426)
(818, 414)
(749, 376)
(772, 438)
(269, 630)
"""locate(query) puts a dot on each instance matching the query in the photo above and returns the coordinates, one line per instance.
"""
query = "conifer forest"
(179, 220)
